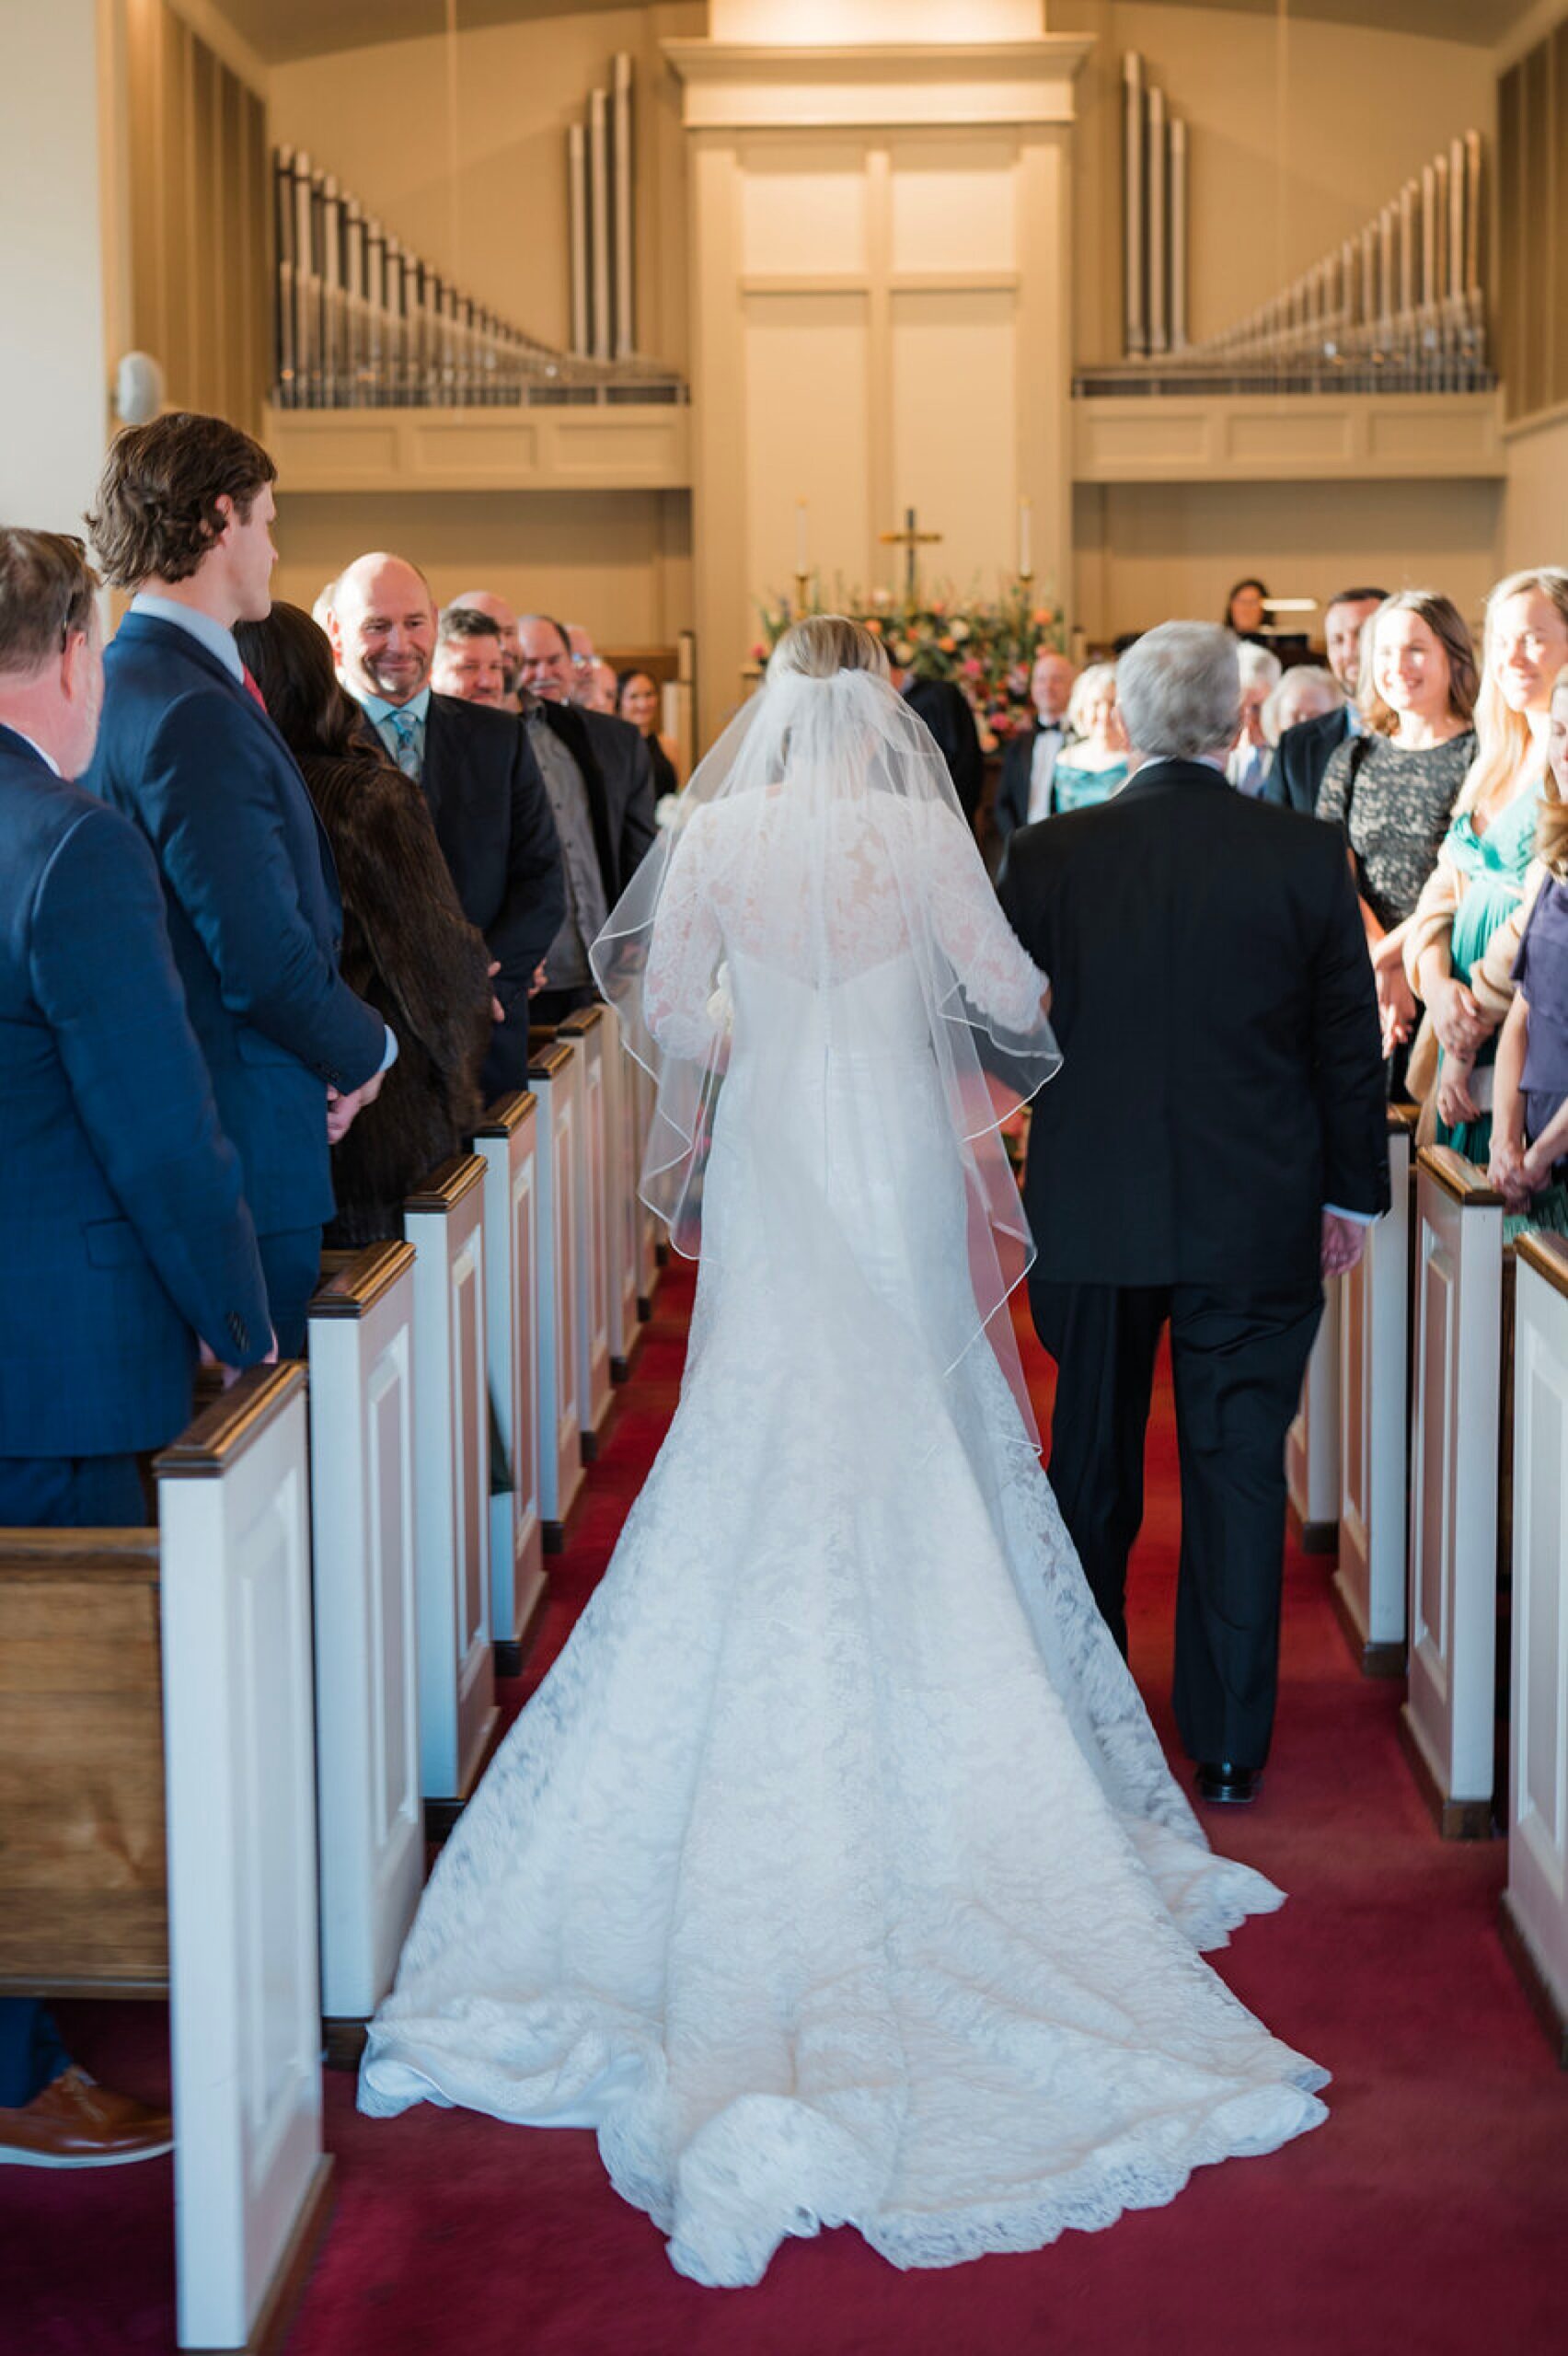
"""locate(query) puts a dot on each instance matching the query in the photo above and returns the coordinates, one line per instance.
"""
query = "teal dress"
(1077, 788)
(1493, 865)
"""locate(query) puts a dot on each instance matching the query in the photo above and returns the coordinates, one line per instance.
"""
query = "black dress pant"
(1238, 1359)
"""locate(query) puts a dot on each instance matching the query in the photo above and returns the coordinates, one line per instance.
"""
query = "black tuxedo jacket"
(1011, 809)
(946, 712)
(494, 822)
(618, 775)
(1223, 1075)
(1300, 757)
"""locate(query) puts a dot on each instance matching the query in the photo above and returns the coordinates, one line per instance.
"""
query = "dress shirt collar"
(217, 640)
(381, 711)
(1354, 723)
(33, 747)
(1045, 727)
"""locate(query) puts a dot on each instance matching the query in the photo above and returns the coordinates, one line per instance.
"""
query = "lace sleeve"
(683, 952)
(998, 972)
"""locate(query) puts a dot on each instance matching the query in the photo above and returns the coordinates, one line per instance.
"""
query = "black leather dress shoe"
(1227, 1784)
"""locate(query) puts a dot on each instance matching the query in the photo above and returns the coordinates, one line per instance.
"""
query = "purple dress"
(1540, 971)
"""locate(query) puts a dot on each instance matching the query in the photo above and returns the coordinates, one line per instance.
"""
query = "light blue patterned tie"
(404, 727)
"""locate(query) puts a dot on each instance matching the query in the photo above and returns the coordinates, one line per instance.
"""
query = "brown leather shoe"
(76, 2123)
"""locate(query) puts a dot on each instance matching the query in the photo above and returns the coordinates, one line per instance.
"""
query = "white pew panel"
(362, 1520)
(507, 1143)
(644, 1097)
(554, 1075)
(1450, 1717)
(1535, 1904)
(1370, 1585)
(589, 1028)
(250, 2176)
(444, 1223)
(626, 1210)
(1312, 1445)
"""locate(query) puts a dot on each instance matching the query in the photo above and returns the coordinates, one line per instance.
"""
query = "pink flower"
(974, 668)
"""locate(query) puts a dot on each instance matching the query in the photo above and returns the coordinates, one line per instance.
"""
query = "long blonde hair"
(1504, 744)
(1552, 823)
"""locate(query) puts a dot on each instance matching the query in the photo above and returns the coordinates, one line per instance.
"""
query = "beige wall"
(378, 119)
(1535, 503)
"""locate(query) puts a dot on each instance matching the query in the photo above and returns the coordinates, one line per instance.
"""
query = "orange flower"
(874, 624)
(1042, 617)
(947, 644)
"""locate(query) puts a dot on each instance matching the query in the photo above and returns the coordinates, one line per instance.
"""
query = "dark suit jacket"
(494, 822)
(1223, 1073)
(1300, 757)
(618, 774)
(125, 1231)
(946, 712)
(254, 915)
(1011, 810)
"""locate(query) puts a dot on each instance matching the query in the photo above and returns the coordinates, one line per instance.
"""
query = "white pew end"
(555, 1078)
(625, 1168)
(363, 1519)
(589, 1029)
(1312, 1444)
(515, 1269)
(650, 1251)
(1448, 1723)
(444, 1223)
(1535, 1903)
(1370, 1585)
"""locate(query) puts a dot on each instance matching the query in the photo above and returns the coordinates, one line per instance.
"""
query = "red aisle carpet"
(1430, 2215)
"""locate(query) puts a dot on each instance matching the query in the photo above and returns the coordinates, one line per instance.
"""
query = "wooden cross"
(909, 540)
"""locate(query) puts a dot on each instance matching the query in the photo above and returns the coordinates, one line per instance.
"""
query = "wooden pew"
(625, 1169)
(553, 1076)
(1369, 1583)
(366, 1616)
(444, 1223)
(1312, 1444)
(1535, 1903)
(1450, 1717)
(649, 1250)
(589, 1029)
(517, 1268)
(158, 1822)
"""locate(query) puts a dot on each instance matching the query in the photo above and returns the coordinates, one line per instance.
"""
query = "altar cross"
(909, 540)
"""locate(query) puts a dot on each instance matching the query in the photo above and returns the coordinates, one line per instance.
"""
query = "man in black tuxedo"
(1024, 791)
(600, 781)
(1302, 754)
(478, 777)
(947, 712)
(1214, 1143)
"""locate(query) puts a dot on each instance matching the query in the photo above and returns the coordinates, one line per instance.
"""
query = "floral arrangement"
(987, 647)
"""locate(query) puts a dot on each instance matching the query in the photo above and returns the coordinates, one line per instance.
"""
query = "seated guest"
(469, 660)
(184, 518)
(637, 700)
(1094, 764)
(407, 948)
(1296, 773)
(1029, 764)
(597, 687)
(480, 779)
(1529, 1122)
(1306, 692)
(1247, 766)
(948, 713)
(486, 601)
(600, 780)
(1391, 789)
(126, 1236)
(1246, 609)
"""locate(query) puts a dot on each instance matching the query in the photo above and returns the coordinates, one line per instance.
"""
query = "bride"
(834, 1874)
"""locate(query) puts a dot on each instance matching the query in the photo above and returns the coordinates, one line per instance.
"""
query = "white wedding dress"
(835, 1874)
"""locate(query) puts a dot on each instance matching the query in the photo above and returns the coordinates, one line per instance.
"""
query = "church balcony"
(1212, 433)
(625, 445)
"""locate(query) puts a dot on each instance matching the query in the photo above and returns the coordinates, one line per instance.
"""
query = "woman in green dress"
(1465, 933)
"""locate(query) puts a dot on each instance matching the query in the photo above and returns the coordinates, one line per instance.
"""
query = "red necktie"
(250, 687)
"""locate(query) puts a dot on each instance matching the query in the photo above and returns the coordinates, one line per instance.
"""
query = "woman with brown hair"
(1392, 786)
(407, 948)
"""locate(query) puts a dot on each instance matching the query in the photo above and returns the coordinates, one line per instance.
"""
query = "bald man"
(478, 777)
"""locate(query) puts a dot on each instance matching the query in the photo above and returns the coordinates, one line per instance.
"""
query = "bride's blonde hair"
(821, 645)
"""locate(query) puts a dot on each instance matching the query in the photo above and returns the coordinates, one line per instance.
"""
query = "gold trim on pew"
(582, 1020)
(356, 1280)
(206, 1447)
(546, 1059)
(1403, 1119)
(125, 1553)
(446, 1187)
(506, 1115)
(1548, 1255)
(1463, 1181)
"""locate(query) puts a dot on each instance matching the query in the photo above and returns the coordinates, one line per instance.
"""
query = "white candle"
(800, 563)
(1023, 536)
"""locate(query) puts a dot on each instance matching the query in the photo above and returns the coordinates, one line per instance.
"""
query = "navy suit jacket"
(1296, 773)
(1011, 810)
(253, 915)
(126, 1232)
(946, 712)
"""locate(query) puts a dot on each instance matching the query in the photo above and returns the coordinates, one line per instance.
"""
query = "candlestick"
(802, 563)
(1025, 550)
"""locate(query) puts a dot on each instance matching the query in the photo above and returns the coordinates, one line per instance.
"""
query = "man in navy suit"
(125, 1233)
(1302, 754)
(187, 750)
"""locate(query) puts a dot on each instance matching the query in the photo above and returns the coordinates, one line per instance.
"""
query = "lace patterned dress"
(835, 1874)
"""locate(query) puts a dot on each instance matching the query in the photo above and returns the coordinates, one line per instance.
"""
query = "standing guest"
(1530, 1129)
(1212, 1145)
(470, 661)
(597, 687)
(1391, 788)
(637, 700)
(1296, 773)
(487, 601)
(407, 948)
(1306, 692)
(480, 779)
(584, 653)
(948, 713)
(600, 779)
(1247, 766)
(184, 518)
(1246, 609)
(1025, 793)
(1094, 764)
(1465, 933)
(126, 1235)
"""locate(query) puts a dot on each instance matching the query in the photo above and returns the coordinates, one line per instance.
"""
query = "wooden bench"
(517, 1271)
(589, 1031)
(1312, 1444)
(1369, 1583)
(553, 1076)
